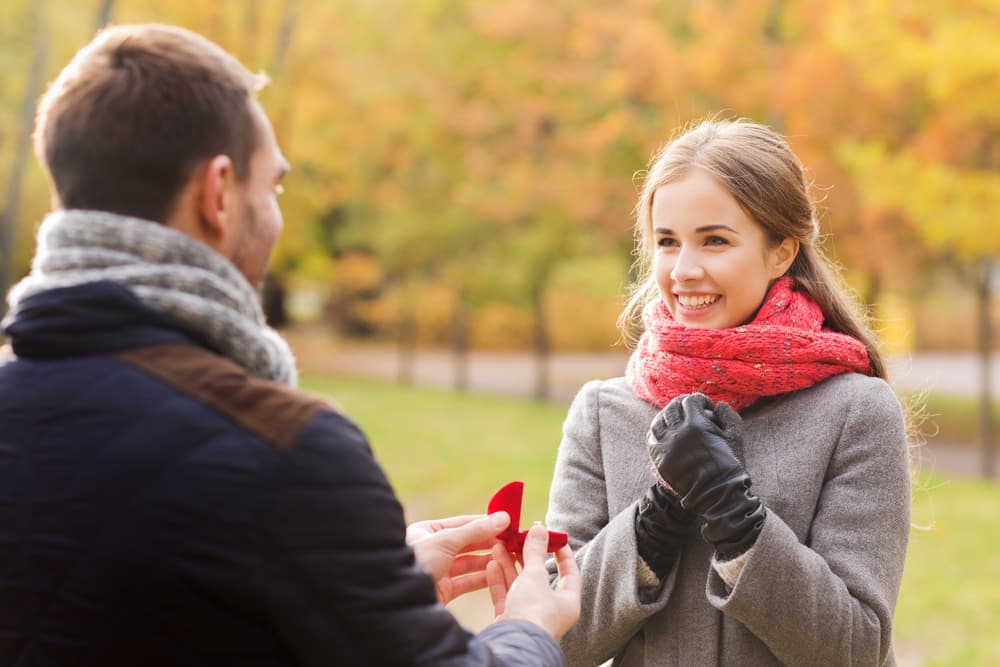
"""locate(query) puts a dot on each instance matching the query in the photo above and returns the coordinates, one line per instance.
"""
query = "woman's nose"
(686, 267)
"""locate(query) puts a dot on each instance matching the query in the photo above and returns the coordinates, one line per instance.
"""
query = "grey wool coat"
(830, 464)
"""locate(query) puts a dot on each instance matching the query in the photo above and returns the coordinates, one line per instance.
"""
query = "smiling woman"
(754, 410)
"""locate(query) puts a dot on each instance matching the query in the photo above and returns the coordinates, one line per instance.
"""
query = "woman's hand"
(529, 596)
(691, 446)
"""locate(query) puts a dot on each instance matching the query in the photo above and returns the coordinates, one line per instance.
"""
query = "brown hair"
(759, 169)
(129, 118)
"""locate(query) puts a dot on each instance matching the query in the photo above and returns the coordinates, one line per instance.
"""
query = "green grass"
(949, 607)
(445, 453)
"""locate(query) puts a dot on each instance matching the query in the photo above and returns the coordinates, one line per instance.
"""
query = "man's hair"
(137, 109)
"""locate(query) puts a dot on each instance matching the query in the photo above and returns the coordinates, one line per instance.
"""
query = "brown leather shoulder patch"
(274, 412)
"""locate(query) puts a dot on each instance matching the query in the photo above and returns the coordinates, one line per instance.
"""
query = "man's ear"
(782, 256)
(215, 203)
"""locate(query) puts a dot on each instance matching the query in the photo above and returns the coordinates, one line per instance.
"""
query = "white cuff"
(645, 575)
(729, 570)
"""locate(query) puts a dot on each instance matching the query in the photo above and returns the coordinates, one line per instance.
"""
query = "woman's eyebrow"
(701, 230)
(715, 228)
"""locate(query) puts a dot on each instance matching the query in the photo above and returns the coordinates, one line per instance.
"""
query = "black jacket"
(159, 506)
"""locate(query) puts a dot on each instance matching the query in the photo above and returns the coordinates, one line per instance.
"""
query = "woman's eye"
(667, 242)
(716, 240)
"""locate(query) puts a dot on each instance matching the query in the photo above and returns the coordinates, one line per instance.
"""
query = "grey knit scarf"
(170, 273)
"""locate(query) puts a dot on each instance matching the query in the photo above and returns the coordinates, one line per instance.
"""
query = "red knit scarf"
(783, 349)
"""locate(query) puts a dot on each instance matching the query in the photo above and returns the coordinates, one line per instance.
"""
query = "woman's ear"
(215, 202)
(782, 255)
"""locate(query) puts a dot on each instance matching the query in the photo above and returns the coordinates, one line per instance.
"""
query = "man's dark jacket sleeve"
(353, 582)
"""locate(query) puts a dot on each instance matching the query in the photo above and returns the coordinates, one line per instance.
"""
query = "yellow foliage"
(444, 133)
(434, 312)
(501, 326)
(357, 272)
(951, 208)
(582, 321)
(895, 325)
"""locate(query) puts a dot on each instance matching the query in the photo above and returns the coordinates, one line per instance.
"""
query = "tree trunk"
(406, 340)
(873, 292)
(105, 12)
(983, 280)
(251, 33)
(286, 30)
(460, 342)
(542, 342)
(22, 148)
(274, 300)
(276, 310)
(282, 102)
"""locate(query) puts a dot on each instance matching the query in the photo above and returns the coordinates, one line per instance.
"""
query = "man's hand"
(529, 596)
(445, 549)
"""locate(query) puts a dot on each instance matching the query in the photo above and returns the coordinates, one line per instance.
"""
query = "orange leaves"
(446, 132)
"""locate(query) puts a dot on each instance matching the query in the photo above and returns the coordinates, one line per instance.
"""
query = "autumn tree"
(475, 148)
(941, 175)
(22, 142)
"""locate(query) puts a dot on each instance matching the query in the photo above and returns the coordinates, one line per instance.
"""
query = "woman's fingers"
(569, 572)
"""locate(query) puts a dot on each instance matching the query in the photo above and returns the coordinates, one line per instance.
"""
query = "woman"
(741, 496)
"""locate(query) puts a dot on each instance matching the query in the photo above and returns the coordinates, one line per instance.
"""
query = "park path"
(513, 374)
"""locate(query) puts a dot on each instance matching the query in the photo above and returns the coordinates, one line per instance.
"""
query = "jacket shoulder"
(862, 394)
(615, 393)
(611, 406)
(272, 411)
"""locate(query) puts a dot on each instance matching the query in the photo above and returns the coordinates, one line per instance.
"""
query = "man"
(166, 497)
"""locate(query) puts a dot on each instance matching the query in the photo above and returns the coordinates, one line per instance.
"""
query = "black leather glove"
(689, 445)
(662, 527)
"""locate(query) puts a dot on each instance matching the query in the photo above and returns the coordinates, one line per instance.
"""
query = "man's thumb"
(498, 521)
(482, 529)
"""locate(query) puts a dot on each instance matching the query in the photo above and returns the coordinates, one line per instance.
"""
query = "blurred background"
(459, 214)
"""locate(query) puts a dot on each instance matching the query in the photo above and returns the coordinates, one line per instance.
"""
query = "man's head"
(157, 122)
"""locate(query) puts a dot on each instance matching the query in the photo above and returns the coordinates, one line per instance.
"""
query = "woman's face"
(712, 262)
